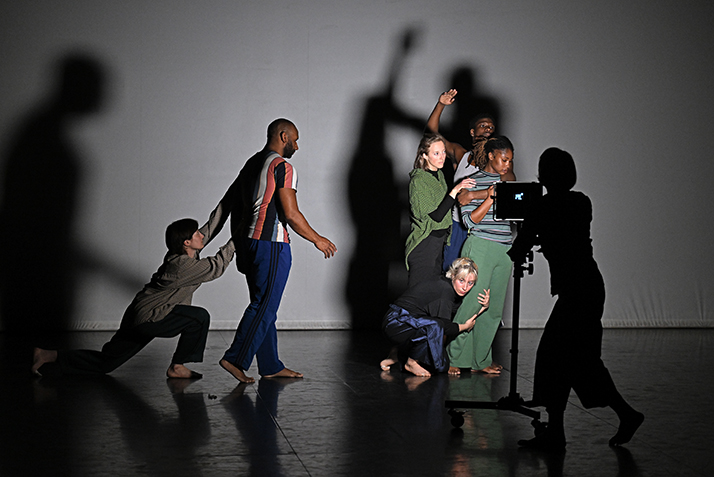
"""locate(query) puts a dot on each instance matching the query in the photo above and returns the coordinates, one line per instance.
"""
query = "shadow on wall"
(376, 201)
(469, 103)
(41, 174)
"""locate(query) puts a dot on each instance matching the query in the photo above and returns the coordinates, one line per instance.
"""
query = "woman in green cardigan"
(429, 205)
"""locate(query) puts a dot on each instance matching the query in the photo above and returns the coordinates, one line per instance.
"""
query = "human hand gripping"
(447, 97)
(464, 184)
(484, 298)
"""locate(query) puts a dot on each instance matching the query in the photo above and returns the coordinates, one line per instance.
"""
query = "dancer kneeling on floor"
(161, 310)
(419, 321)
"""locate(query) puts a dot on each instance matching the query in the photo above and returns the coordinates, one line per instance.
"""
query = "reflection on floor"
(347, 417)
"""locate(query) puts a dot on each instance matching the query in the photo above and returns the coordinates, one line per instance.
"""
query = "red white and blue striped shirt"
(260, 178)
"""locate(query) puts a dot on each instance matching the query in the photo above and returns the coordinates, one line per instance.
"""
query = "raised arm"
(454, 150)
(297, 221)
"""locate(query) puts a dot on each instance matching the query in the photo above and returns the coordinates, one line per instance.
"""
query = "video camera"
(514, 199)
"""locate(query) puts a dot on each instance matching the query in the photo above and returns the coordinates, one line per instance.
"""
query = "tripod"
(513, 401)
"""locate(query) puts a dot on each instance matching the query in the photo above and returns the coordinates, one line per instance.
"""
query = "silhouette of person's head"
(80, 84)
(556, 170)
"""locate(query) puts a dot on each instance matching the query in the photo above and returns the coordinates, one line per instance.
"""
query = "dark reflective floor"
(346, 417)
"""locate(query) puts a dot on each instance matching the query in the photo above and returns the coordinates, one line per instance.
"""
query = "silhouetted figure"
(568, 355)
(375, 201)
(41, 176)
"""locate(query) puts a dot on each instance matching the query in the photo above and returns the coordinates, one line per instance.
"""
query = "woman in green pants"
(487, 244)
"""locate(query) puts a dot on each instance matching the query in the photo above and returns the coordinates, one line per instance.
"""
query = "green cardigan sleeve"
(425, 194)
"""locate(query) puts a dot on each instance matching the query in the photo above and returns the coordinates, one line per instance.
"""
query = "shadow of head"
(80, 84)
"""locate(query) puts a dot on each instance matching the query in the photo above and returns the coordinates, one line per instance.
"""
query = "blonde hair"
(461, 267)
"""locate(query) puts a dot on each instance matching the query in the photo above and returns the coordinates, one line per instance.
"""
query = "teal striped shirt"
(488, 229)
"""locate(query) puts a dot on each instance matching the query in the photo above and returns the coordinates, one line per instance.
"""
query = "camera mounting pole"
(513, 401)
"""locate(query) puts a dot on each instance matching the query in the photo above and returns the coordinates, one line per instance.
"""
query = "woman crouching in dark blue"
(419, 321)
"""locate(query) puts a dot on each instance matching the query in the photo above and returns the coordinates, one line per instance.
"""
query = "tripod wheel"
(457, 417)
(539, 427)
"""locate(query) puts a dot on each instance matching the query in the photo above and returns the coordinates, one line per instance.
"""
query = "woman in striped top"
(487, 244)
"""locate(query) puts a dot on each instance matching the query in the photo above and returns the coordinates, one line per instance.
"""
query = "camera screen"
(513, 199)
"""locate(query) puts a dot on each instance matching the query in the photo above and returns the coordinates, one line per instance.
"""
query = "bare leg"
(236, 372)
(41, 356)
(181, 371)
(385, 364)
(415, 368)
(285, 373)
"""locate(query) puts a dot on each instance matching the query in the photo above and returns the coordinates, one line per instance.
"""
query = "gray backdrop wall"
(188, 89)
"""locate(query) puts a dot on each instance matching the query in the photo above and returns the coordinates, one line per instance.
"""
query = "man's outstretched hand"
(326, 247)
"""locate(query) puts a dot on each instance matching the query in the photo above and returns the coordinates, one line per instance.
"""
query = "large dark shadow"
(41, 171)
(66, 416)
(377, 200)
(469, 102)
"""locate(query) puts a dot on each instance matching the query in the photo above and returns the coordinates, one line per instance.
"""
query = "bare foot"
(393, 358)
(285, 373)
(489, 370)
(236, 372)
(413, 367)
(627, 428)
(454, 371)
(182, 372)
(385, 364)
(41, 356)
